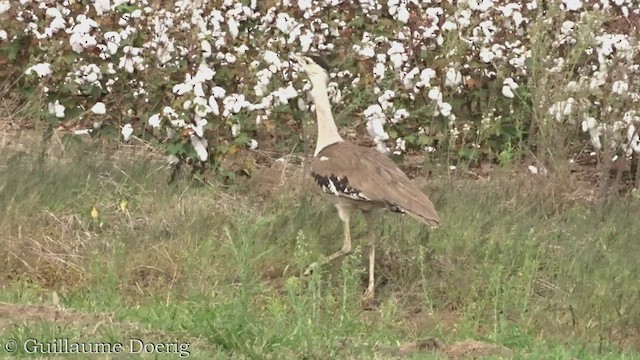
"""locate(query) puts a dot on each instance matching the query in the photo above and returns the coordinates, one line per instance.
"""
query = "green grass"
(221, 269)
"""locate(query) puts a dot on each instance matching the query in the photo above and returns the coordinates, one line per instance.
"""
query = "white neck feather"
(327, 129)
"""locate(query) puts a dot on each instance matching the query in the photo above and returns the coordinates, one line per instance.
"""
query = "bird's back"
(365, 175)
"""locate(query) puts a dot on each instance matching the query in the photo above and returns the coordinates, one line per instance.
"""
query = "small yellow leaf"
(269, 125)
(123, 204)
(232, 149)
(94, 213)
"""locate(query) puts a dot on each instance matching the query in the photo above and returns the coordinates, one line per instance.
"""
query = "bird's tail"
(416, 204)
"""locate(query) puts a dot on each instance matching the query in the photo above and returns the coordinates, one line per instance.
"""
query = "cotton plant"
(190, 67)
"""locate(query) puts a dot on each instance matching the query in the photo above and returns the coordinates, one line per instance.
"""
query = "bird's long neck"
(327, 129)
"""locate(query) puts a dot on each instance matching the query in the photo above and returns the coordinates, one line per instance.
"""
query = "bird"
(354, 177)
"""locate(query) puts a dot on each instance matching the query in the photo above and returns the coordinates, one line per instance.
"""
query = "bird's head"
(314, 66)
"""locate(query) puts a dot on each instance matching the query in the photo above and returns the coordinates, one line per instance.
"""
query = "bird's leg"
(371, 220)
(344, 213)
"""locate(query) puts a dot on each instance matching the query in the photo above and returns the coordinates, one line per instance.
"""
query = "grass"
(523, 274)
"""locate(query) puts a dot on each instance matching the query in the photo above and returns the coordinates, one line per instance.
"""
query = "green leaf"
(73, 112)
(176, 148)
(68, 139)
(126, 8)
(242, 139)
(468, 153)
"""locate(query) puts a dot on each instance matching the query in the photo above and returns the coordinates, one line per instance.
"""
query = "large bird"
(355, 177)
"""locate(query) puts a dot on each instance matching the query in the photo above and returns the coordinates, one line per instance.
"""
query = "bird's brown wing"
(364, 174)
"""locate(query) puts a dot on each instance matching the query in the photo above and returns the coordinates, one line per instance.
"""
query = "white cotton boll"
(271, 58)
(302, 105)
(407, 80)
(6, 5)
(234, 27)
(57, 109)
(375, 127)
(567, 27)
(372, 110)
(284, 94)
(426, 75)
(102, 6)
(172, 159)
(510, 83)
(397, 60)
(253, 144)
(378, 71)
(181, 89)
(572, 5)
(218, 92)
(206, 48)
(487, 55)
(399, 115)
(200, 124)
(82, 132)
(178, 123)
(241, 50)
(126, 132)
(230, 58)
(397, 54)
(480, 5)
(403, 15)
(200, 146)
(235, 130)
(306, 40)
(99, 108)
(41, 69)
(445, 109)
(448, 26)
(155, 121)
(598, 79)
(204, 73)
(81, 41)
(381, 147)
(507, 92)
(201, 109)
(589, 123)
(453, 78)
(620, 87)
(213, 105)
(595, 139)
(367, 52)
(634, 139)
(435, 94)
(198, 90)
(533, 169)
(393, 6)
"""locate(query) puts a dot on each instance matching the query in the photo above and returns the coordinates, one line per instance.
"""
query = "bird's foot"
(310, 269)
(369, 301)
(369, 293)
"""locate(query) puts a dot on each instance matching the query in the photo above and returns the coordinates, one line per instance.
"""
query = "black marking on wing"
(320, 61)
(338, 186)
(396, 208)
